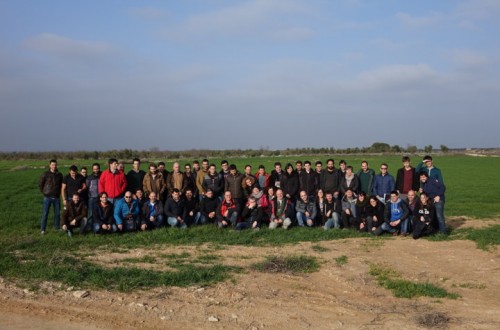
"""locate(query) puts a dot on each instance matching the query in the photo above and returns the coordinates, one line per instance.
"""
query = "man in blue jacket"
(126, 213)
(435, 190)
(383, 184)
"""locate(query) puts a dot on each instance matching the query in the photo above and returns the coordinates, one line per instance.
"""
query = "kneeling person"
(152, 213)
(75, 215)
(251, 216)
(103, 221)
(127, 213)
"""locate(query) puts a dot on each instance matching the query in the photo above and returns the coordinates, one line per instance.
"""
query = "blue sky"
(101, 75)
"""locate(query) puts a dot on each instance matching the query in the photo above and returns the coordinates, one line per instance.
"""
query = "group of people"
(112, 201)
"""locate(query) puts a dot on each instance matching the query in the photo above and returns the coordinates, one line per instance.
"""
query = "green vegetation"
(289, 264)
(342, 260)
(319, 248)
(401, 288)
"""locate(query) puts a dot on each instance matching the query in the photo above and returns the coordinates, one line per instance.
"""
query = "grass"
(289, 264)
(401, 288)
(319, 248)
(144, 260)
(342, 260)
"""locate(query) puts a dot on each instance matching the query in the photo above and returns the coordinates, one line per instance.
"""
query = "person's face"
(361, 197)
(227, 196)
(136, 165)
(252, 202)
(209, 194)
(428, 163)
(189, 194)
(103, 198)
(212, 170)
(187, 169)
(152, 197)
(348, 193)
(120, 166)
(161, 168)
(320, 193)
(248, 182)
(303, 196)
(248, 170)
(152, 169)
(175, 167)
(204, 165)
(279, 194)
(373, 202)
(233, 172)
(394, 197)
(113, 166)
(424, 199)
(298, 166)
(319, 167)
(364, 166)
(383, 169)
(342, 166)
(175, 195)
(278, 168)
(262, 171)
(406, 164)
(139, 194)
(53, 166)
(330, 165)
(95, 169)
(196, 167)
(307, 167)
(255, 190)
(411, 196)
(225, 166)
(83, 172)
(348, 170)
(75, 199)
(289, 169)
(270, 192)
(128, 197)
(329, 197)
(72, 173)
(423, 179)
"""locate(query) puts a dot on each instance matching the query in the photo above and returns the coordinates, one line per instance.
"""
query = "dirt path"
(334, 297)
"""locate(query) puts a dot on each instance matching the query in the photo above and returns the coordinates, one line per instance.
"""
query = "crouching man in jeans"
(396, 212)
(126, 213)
(75, 215)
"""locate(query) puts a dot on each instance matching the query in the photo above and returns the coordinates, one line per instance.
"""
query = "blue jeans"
(173, 222)
(47, 201)
(439, 206)
(333, 222)
(387, 227)
(405, 225)
(98, 230)
(302, 220)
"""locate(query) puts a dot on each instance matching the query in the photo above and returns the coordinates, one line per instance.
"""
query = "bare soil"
(337, 296)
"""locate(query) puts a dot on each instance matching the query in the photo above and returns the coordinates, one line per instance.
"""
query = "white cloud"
(469, 58)
(418, 22)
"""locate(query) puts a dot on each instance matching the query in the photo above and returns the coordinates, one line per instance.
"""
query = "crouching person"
(424, 218)
(227, 212)
(175, 210)
(333, 209)
(103, 221)
(306, 210)
(251, 216)
(127, 213)
(152, 213)
(396, 211)
(75, 215)
(281, 211)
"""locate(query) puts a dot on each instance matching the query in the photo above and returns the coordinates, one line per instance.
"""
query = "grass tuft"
(342, 260)
(290, 264)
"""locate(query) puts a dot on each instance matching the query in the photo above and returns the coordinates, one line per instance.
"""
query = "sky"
(274, 74)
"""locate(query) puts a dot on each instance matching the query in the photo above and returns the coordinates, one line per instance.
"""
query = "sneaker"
(70, 234)
(43, 232)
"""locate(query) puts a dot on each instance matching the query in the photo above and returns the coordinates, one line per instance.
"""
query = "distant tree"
(428, 148)
(380, 147)
(396, 148)
(444, 148)
(411, 149)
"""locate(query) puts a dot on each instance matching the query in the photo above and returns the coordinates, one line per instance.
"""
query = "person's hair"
(251, 198)
(186, 165)
(112, 160)
(232, 167)
(349, 189)
(224, 162)
(318, 162)
(374, 198)
(96, 164)
(423, 193)
(212, 164)
(139, 189)
(262, 167)
(424, 174)
(196, 162)
(342, 162)
(349, 167)
(53, 161)
(102, 194)
(204, 160)
(328, 192)
(277, 163)
(73, 168)
(248, 165)
(362, 194)
(395, 192)
(188, 189)
(307, 162)
(83, 168)
(384, 164)
(364, 161)
(209, 190)
(152, 165)
(161, 163)
(288, 165)
(136, 160)
(298, 162)
(175, 190)
(405, 159)
(427, 157)
(76, 194)
(330, 160)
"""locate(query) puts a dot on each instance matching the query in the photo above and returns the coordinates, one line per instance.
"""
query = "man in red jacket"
(112, 181)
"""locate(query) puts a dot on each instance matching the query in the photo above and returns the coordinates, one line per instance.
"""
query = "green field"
(472, 187)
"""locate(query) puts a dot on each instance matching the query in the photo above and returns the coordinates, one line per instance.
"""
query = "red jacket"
(266, 182)
(113, 184)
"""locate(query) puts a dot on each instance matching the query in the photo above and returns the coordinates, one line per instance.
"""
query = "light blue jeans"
(173, 222)
(333, 222)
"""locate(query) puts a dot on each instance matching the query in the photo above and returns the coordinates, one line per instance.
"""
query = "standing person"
(154, 182)
(224, 169)
(200, 177)
(164, 174)
(103, 221)
(190, 180)
(75, 216)
(213, 181)
(309, 180)
(262, 178)
(84, 194)
(383, 184)
(427, 165)
(248, 173)
(276, 176)
(319, 167)
(424, 221)
(196, 167)
(281, 211)
(175, 179)
(234, 184)
(50, 185)
(92, 183)
(135, 176)
(306, 210)
(175, 210)
(73, 183)
(329, 179)
(435, 190)
(396, 211)
(112, 181)
(366, 176)
(349, 180)
(342, 166)
(126, 212)
(290, 183)
(406, 178)
(152, 213)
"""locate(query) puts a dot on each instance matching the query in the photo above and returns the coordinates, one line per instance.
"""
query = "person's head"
(303, 196)
(176, 194)
(406, 161)
(373, 201)
(136, 164)
(212, 169)
(428, 160)
(383, 168)
(279, 194)
(248, 169)
(255, 190)
(277, 166)
(320, 193)
(349, 193)
(128, 197)
(364, 166)
(424, 198)
(96, 168)
(262, 170)
(249, 182)
(394, 196)
(232, 169)
(176, 167)
(209, 193)
(121, 166)
(53, 165)
(362, 196)
(423, 176)
(152, 168)
(83, 171)
(187, 168)
(152, 197)
(289, 168)
(319, 166)
(196, 165)
(75, 198)
(204, 164)
(252, 201)
(227, 196)
(342, 165)
(307, 165)
(270, 191)
(330, 164)
(113, 164)
(103, 197)
(73, 170)
(139, 194)
(188, 193)
(411, 195)
(161, 166)
(348, 170)
(329, 196)
(298, 165)
(224, 164)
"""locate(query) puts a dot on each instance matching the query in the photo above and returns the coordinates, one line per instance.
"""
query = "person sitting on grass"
(251, 216)
(175, 210)
(208, 207)
(333, 209)
(281, 211)
(127, 213)
(362, 205)
(152, 213)
(348, 209)
(396, 211)
(75, 215)
(424, 219)
(306, 210)
(227, 212)
(103, 221)
(375, 214)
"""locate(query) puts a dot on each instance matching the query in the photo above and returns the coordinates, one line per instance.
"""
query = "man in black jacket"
(50, 185)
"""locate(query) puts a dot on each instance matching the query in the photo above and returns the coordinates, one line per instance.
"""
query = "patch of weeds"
(118, 250)
(319, 248)
(470, 286)
(207, 258)
(373, 244)
(401, 288)
(290, 264)
(145, 260)
(342, 260)
(433, 320)
(182, 255)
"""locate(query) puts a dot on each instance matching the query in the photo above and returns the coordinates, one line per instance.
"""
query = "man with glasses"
(126, 213)
(383, 184)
